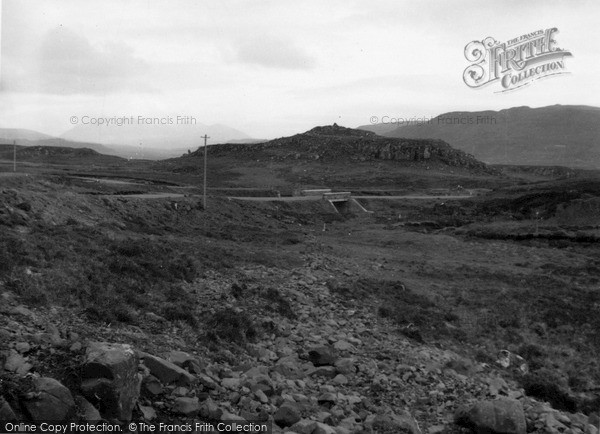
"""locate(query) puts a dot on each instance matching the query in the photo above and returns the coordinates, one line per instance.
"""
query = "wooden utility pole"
(205, 137)
(14, 155)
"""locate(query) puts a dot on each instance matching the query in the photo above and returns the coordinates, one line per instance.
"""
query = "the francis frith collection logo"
(516, 62)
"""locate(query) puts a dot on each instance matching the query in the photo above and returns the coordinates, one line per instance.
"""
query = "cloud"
(66, 63)
(273, 52)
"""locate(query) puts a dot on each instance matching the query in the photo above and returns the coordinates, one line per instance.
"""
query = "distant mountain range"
(154, 135)
(7, 135)
(152, 142)
(554, 135)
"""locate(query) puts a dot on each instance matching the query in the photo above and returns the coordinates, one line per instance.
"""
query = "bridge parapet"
(342, 196)
(315, 192)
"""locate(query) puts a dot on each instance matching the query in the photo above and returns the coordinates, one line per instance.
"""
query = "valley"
(285, 311)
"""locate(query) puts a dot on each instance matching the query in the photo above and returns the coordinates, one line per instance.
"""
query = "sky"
(274, 68)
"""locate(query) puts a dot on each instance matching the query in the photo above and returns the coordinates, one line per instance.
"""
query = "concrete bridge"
(343, 202)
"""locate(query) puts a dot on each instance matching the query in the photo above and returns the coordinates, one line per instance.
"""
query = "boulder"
(323, 356)
(402, 422)
(110, 379)
(189, 407)
(210, 410)
(87, 411)
(180, 358)
(346, 365)
(51, 401)
(304, 426)
(168, 372)
(151, 386)
(288, 414)
(6, 412)
(323, 371)
(15, 362)
(502, 416)
(322, 428)
(343, 346)
(147, 412)
(289, 367)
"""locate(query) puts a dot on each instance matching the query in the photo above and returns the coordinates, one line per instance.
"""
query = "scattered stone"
(189, 407)
(50, 401)
(343, 346)
(22, 347)
(288, 414)
(180, 358)
(323, 356)
(152, 385)
(6, 412)
(210, 410)
(400, 423)
(231, 383)
(290, 367)
(154, 317)
(87, 411)
(207, 382)
(23, 311)
(260, 395)
(591, 429)
(180, 391)
(303, 426)
(147, 412)
(168, 372)
(497, 386)
(16, 362)
(346, 366)
(323, 371)
(322, 428)
(340, 379)
(327, 399)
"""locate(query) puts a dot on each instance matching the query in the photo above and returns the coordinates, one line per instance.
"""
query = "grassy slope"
(432, 268)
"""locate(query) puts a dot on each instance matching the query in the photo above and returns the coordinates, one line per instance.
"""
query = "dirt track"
(315, 198)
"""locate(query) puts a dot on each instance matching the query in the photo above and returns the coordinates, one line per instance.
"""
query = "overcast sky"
(274, 67)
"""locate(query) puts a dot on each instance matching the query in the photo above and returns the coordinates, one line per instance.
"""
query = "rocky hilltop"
(337, 143)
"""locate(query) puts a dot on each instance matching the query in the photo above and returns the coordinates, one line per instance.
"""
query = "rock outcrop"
(110, 379)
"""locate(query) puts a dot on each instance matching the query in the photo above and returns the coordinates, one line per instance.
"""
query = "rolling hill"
(59, 155)
(334, 156)
(331, 143)
(34, 138)
(554, 135)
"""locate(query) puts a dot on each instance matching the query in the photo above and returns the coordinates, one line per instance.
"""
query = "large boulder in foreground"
(110, 379)
(51, 401)
(503, 416)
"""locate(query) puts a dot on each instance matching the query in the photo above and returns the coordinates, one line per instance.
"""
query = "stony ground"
(301, 329)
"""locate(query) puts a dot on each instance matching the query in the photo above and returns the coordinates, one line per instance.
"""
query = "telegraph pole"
(14, 155)
(205, 137)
